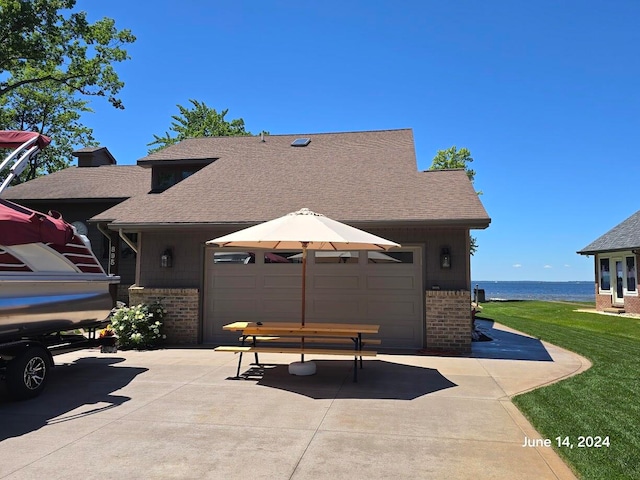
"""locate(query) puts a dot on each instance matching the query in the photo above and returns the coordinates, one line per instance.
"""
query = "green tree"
(454, 158)
(199, 121)
(52, 61)
(52, 110)
(41, 42)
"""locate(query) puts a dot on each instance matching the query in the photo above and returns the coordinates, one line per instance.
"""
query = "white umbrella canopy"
(307, 230)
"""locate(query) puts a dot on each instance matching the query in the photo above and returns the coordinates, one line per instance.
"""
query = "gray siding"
(188, 251)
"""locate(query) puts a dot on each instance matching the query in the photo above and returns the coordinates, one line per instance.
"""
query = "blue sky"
(545, 94)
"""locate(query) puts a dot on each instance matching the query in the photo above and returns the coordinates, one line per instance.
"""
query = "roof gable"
(624, 236)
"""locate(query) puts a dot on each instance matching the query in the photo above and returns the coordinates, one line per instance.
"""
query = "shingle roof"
(355, 176)
(88, 150)
(107, 181)
(624, 236)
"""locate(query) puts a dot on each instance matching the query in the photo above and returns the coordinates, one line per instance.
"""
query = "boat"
(50, 279)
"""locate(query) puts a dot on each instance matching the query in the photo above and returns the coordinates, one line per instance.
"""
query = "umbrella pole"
(304, 279)
(304, 288)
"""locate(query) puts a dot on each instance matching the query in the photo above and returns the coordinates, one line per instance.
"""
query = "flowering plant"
(139, 326)
(106, 332)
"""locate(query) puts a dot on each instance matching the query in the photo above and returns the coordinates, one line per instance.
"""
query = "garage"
(384, 288)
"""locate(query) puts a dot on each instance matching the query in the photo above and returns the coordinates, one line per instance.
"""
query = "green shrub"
(139, 327)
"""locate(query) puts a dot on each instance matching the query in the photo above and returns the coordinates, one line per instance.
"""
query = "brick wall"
(603, 301)
(632, 304)
(181, 323)
(448, 321)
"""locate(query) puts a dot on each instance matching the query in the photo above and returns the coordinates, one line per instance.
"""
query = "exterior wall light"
(166, 259)
(445, 258)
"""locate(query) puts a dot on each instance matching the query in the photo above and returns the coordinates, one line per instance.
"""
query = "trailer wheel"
(28, 373)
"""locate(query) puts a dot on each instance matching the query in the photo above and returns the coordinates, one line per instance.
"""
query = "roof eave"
(114, 224)
(612, 250)
(70, 200)
(177, 162)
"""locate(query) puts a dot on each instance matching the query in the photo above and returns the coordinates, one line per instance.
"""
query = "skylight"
(300, 142)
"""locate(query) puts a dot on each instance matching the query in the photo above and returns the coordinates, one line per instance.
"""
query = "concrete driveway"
(175, 413)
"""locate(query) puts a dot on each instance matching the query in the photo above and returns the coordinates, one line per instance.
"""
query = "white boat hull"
(32, 304)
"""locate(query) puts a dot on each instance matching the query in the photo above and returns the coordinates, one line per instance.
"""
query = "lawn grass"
(603, 401)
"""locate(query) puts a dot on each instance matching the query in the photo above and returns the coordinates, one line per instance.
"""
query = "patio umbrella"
(307, 230)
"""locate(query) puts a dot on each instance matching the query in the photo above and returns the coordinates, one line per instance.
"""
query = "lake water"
(559, 291)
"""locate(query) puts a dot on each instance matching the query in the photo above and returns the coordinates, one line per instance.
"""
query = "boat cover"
(13, 139)
(20, 225)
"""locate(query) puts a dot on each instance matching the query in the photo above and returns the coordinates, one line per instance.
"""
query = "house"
(203, 188)
(81, 192)
(617, 254)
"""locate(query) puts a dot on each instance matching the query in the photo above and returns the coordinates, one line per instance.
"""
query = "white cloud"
(566, 265)
(517, 265)
(548, 266)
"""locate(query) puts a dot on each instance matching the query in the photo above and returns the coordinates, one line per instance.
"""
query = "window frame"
(611, 259)
(626, 290)
(600, 289)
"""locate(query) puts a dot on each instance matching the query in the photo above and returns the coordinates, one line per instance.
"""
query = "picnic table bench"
(258, 333)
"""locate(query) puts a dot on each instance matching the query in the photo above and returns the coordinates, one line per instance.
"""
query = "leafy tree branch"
(452, 158)
(52, 61)
(198, 121)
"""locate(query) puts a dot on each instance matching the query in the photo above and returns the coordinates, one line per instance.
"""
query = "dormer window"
(165, 177)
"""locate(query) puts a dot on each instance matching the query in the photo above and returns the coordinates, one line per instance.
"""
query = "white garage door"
(349, 287)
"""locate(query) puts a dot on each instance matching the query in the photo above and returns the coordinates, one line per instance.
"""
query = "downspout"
(106, 234)
(126, 240)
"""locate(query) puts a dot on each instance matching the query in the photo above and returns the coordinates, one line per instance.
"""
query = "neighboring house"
(81, 192)
(206, 187)
(617, 254)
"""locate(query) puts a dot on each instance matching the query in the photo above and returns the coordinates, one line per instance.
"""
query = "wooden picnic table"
(258, 333)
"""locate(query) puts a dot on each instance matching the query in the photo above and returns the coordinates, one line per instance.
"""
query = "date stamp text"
(565, 441)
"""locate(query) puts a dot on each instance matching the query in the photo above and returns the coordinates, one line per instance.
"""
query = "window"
(605, 275)
(281, 257)
(167, 176)
(390, 258)
(337, 256)
(247, 258)
(631, 274)
(231, 258)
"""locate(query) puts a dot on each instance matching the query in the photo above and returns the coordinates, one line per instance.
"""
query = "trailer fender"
(11, 350)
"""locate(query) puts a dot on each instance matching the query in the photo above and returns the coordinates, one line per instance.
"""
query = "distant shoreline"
(562, 291)
(532, 281)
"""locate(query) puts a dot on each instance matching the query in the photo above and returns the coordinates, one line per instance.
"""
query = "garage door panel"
(282, 281)
(398, 335)
(323, 282)
(331, 307)
(396, 282)
(234, 282)
(282, 306)
(235, 304)
(392, 307)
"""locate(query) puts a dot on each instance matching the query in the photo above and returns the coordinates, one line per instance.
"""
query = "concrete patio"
(176, 413)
